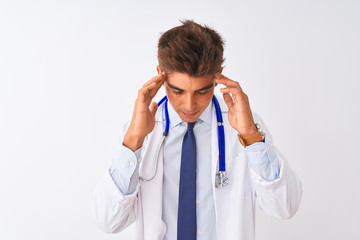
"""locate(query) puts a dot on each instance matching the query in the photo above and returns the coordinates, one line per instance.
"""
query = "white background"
(69, 75)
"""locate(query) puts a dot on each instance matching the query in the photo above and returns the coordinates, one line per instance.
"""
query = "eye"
(177, 92)
(202, 92)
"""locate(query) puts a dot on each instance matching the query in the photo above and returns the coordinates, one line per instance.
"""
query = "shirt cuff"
(263, 160)
(124, 167)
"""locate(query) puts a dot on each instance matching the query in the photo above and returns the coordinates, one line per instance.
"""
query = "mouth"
(190, 115)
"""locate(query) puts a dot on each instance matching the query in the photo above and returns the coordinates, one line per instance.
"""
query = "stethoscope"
(221, 179)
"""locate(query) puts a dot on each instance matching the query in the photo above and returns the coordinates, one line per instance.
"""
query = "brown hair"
(192, 49)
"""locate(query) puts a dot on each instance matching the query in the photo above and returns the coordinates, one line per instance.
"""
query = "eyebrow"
(201, 89)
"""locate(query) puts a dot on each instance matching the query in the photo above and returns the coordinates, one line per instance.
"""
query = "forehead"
(188, 83)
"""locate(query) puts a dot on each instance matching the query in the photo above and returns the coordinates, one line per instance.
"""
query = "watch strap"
(247, 140)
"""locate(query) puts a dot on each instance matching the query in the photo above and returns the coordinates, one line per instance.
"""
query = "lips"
(189, 115)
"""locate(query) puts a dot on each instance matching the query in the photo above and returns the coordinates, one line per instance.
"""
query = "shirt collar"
(206, 115)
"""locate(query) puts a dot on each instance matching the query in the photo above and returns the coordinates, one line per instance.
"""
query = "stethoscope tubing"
(167, 120)
(221, 135)
(221, 178)
(221, 132)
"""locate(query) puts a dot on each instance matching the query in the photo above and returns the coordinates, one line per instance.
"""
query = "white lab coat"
(234, 204)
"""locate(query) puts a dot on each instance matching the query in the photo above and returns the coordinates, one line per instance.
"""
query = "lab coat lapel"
(215, 160)
(152, 191)
(214, 154)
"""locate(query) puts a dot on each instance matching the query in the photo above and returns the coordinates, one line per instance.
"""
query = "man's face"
(189, 96)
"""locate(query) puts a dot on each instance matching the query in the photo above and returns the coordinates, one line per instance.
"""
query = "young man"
(168, 187)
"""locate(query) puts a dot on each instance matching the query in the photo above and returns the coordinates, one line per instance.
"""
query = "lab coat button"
(197, 201)
(139, 160)
(267, 147)
(199, 231)
(131, 163)
(258, 152)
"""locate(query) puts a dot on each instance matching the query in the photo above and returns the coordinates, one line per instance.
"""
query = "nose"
(190, 103)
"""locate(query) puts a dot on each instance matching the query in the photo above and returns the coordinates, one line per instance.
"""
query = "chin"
(189, 120)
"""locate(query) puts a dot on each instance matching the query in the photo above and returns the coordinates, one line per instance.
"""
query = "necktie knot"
(191, 126)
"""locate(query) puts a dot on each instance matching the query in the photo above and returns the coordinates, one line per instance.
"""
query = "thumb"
(153, 108)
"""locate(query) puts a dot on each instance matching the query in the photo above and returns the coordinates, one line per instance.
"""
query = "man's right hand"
(143, 119)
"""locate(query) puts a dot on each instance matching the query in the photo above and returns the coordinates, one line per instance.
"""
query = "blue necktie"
(186, 226)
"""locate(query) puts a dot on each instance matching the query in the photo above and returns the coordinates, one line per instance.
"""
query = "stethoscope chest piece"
(221, 180)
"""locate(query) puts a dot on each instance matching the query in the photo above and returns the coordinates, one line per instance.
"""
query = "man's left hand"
(240, 116)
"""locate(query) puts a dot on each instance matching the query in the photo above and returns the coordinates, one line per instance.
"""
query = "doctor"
(168, 187)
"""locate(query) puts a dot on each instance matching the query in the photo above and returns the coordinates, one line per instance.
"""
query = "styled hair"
(191, 48)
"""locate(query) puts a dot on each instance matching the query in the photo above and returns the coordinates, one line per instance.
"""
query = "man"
(168, 188)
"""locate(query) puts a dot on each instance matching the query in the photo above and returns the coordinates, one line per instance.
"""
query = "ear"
(158, 69)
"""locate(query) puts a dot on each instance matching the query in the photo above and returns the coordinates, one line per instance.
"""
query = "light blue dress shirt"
(124, 172)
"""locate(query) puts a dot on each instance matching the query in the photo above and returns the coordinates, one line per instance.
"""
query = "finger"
(154, 88)
(160, 77)
(143, 94)
(219, 78)
(228, 83)
(228, 100)
(153, 108)
(236, 93)
(147, 93)
(232, 90)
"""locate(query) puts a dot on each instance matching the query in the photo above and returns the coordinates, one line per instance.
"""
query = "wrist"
(133, 142)
(248, 131)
